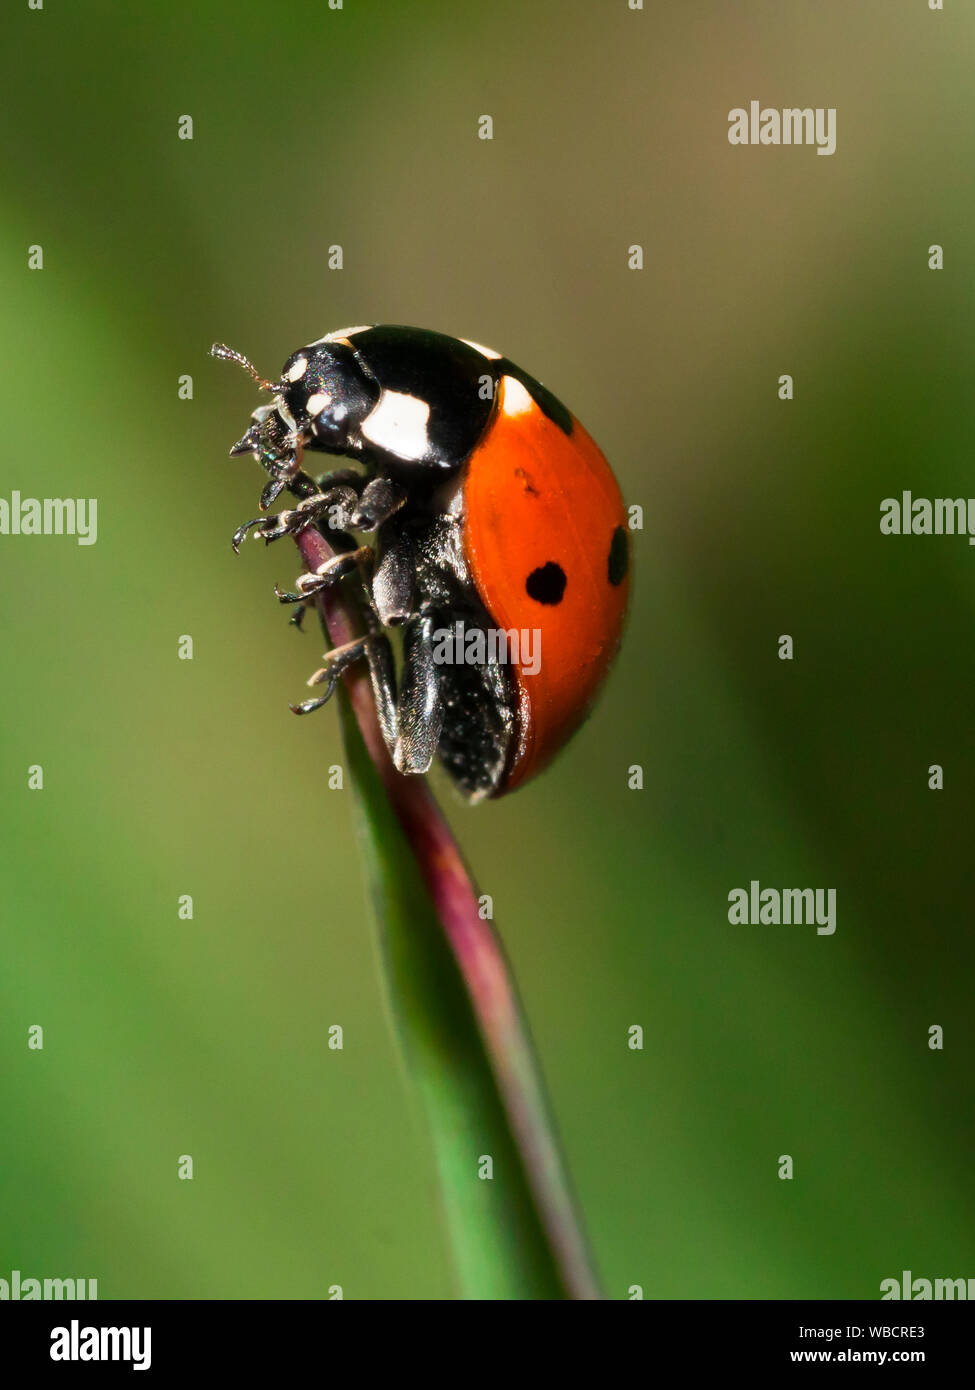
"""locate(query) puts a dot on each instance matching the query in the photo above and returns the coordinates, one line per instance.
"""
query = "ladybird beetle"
(494, 512)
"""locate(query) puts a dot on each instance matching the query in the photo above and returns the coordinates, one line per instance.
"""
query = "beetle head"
(319, 401)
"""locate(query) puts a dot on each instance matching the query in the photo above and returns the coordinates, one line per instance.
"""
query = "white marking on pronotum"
(399, 423)
(298, 369)
(316, 403)
(517, 401)
(343, 333)
(479, 347)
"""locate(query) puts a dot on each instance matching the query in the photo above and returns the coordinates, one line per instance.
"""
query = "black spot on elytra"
(619, 556)
(546, 584)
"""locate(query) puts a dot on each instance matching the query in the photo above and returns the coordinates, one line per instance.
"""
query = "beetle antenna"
(228, 354)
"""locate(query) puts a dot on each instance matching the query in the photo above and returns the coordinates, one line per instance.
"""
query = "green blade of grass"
(515, 1233)
(499, 1247)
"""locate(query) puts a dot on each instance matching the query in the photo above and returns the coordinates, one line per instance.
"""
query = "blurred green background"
(163, 777)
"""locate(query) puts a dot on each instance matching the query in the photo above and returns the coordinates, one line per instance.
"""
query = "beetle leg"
(272, 491)
(375, 648)
(410, 724)
(336, 661)
(392, 589)
(328, 573)
(381, 498)
(340, 477)
(382, 674)
(343, 499)
(419, 709)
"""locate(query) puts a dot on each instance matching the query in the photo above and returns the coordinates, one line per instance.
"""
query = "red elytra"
(540, 502)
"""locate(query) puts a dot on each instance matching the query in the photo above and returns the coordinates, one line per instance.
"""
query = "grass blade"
(456, 1009)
